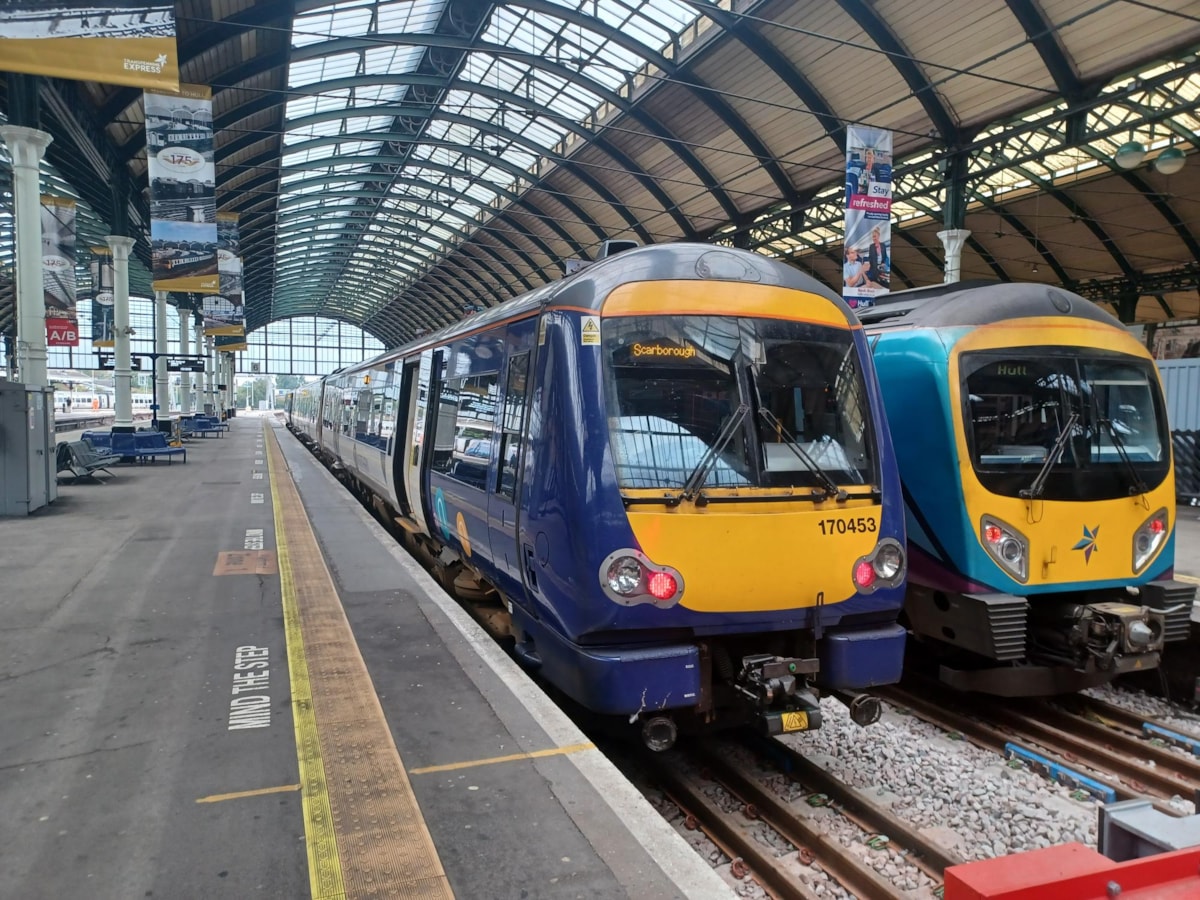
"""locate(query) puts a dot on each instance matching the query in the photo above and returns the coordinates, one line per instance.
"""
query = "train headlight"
(882, 567)
(1148, 539)
(1006, 546)
(630, 578)
(625, 576)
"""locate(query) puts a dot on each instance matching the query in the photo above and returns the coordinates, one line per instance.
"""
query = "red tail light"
(864, 574)
(1157, 526)
(662, 585)
(992, 534)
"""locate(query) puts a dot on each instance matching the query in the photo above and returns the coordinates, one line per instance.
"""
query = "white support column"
(198, 378)
(122, 372)
(26, 146)
(185, 347)
(953, 240)
(210, 366)
(161, 379)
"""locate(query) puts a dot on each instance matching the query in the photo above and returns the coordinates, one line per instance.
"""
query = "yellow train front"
(1032, 440)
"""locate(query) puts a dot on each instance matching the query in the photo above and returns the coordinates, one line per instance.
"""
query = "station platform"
(224, 678)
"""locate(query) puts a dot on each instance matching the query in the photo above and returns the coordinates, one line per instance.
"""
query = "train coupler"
(777, 689)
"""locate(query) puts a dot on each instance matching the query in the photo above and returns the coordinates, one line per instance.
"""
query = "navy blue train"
(666, 480)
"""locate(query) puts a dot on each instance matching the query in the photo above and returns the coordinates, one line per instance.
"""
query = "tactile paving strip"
(383, 847)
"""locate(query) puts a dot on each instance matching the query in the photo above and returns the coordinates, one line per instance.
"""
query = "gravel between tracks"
(964, 797)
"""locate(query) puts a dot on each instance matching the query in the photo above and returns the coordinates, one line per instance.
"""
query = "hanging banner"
(101, 295)
(867, 263)
(58, 272)
(183, 190)
(230, 342)
(119, 42)
(226, 313)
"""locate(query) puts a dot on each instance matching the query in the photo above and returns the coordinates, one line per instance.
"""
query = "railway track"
(1110, 758)
(754, 799)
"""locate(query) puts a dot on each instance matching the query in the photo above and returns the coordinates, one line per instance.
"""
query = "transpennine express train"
(1032, 440)
(666, 480)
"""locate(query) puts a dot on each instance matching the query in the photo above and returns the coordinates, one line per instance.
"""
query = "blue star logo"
(1088, 543)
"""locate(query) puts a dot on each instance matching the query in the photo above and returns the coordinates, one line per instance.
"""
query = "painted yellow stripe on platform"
(324, 865)
(364, 812)
(1190, 579)
(491, 761)
(238, 795)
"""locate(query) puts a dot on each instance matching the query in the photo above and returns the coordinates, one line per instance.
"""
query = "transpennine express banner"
(226, 314)
(101, 295)
(183, 190)
(58, 272)
(118, 42)
(867, 263)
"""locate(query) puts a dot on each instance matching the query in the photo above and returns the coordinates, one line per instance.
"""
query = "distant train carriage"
(666, 479)
(1033, 447)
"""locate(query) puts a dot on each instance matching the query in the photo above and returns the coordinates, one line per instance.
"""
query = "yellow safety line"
(238, 795)
(533, 754)
(1190, 579)
(324, 863)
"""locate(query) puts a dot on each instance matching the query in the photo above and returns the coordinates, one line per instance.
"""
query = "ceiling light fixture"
(1129, 155)
(1170, 161)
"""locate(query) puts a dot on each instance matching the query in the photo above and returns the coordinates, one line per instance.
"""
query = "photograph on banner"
(100, 268)
(229, 266)
(58, 271)
(229, 342)
(223, 316)
(183, 190)
(867, 260)
(118, 42)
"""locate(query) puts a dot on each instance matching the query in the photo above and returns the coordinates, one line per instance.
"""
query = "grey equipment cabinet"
(28, 476)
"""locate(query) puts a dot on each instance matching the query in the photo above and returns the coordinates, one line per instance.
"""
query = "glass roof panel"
(480, 143)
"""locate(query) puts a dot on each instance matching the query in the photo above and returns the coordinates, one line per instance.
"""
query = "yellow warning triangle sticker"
(590, 326)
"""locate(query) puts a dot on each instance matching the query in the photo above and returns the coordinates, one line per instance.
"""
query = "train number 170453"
(848, 526)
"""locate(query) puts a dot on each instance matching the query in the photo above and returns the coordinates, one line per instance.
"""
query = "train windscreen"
(1092, 420)
(725, 402)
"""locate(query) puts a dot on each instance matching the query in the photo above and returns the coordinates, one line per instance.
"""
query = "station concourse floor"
(223, 678)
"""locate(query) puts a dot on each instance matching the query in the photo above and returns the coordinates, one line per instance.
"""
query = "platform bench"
(79, 460)
(202, 427)
(145, 445)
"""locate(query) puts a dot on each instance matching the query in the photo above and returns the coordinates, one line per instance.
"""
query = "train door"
(420, 372)
(503, 500)
(400, 444)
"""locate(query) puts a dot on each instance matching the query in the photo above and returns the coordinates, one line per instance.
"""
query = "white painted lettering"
(251, 673)
(254, 539)
(256, 498)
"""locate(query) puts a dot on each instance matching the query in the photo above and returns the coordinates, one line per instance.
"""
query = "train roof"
(966, 303)
(590, 286)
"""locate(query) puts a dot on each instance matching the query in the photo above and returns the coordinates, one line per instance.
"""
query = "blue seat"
(144, 445)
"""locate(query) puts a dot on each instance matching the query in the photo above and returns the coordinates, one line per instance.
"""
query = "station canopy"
(400, 163)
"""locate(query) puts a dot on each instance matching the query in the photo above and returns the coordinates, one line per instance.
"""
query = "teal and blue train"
(666, 480)
(1031, 435)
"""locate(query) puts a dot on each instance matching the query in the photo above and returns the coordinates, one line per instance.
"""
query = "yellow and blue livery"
(665, 479)
(1031, 434)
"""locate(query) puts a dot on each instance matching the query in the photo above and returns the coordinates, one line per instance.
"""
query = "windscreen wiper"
(1060, 444)
(1137, 485)
(829, 487)
(691, 487)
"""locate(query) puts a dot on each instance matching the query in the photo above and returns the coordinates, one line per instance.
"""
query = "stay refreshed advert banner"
(867, 259)
(58, 272)
(119, 42)
(183, 190)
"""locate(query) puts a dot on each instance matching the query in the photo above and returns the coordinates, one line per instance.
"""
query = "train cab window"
(512, 424)
(1104, 412)
(469, 453)
(740, 402)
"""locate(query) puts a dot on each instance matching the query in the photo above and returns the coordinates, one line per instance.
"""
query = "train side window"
(444, 427)
(474, 428)
(512, 424)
